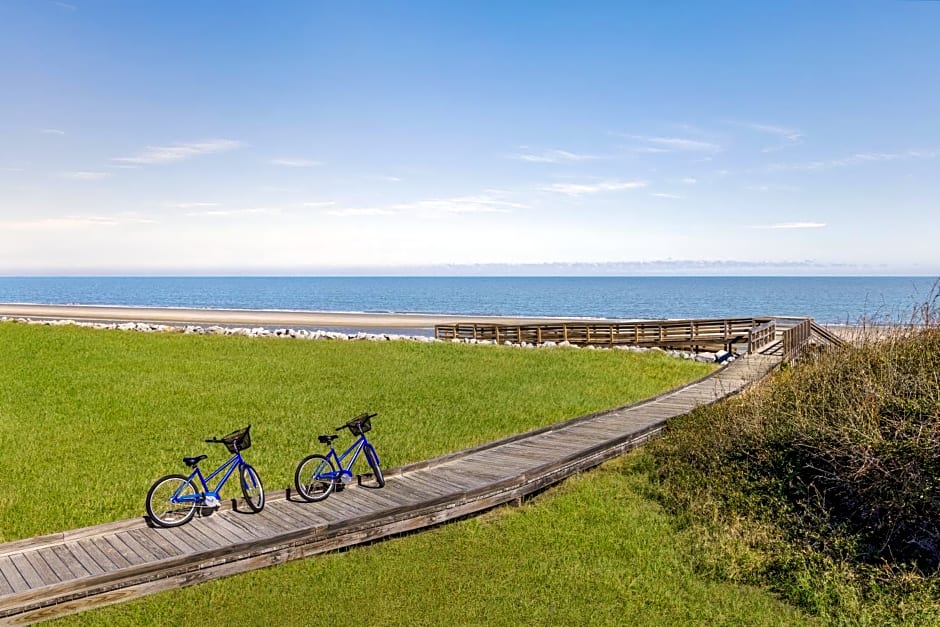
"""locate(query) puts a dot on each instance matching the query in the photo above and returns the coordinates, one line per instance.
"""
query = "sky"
(502, 137)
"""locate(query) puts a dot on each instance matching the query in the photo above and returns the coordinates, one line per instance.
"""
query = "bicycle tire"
(161, 509)
(373, 458)
(308, 480)
(252, 489)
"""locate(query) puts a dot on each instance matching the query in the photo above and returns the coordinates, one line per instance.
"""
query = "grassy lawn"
(595, 550)
(89, 419)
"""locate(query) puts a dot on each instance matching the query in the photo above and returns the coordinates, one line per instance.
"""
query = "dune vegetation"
(823, 483)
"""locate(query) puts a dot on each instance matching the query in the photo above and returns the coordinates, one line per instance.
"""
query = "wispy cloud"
(12, 170)
(792, 225)
(297, 163)
(361, 211)
(72, 222)
(461, 204)
(689, 180)
(579, 189)
(855, 159)
(51, 131)
(787, 136)
(319, 204)
(191, 205)
(665, 195)
(180, 152)
(481, 203)
(674, 144)
(66, 6)
(254, 211)
(390, 179)
(551, 156)
(85, 175)
(772, 187)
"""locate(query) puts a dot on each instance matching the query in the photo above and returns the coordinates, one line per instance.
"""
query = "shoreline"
(172, 315)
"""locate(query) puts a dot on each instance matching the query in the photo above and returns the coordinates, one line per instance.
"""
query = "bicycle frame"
(235, 461)
(352, 454)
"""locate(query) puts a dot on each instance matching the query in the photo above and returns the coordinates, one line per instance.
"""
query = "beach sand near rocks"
(348, 320)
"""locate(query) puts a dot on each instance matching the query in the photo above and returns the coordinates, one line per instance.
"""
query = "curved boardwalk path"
(68, 572)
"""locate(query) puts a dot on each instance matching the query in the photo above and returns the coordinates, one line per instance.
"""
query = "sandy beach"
(348, 320)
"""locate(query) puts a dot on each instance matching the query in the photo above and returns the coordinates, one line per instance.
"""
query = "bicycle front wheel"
(373, 458)
(252, 488)
(314, 478)
(171, 501)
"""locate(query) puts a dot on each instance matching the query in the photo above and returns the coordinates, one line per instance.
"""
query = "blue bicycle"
(172, 500)
(318, 475)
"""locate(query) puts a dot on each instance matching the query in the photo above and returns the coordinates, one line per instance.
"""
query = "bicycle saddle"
(192, 461)
(326, 439)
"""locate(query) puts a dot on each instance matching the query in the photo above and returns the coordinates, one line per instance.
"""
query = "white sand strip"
(252, 317)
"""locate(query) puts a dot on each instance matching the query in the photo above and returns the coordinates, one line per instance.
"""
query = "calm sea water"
(828, 299)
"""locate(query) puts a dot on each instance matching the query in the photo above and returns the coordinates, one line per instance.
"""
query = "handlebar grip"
(213, 441)
(341, 427)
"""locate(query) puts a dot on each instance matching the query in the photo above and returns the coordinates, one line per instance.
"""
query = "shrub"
(830, 470)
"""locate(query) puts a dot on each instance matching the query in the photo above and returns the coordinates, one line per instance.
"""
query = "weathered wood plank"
(249, 529)
(143, 552)
(114, 556)
(87, 561)
(33, 580)
(295, 516)
(215, 526)
(418, 487)
(11, 575)
(177, 537)
(195, 532)
(99, 557)
(145, 540)
(75, 563)
(5, 587)
(118, 544)
(43, 569)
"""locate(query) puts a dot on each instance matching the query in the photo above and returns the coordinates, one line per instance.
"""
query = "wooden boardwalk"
(68, 572)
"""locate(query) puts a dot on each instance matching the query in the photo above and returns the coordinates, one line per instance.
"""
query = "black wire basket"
(237, 440)
(358, 426)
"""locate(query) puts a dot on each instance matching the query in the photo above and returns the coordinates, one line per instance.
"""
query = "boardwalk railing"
(761, 335)
(691, 333)
(795, 338)
(787, 336)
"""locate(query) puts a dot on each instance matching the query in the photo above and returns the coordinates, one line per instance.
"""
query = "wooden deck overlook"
(751, 334)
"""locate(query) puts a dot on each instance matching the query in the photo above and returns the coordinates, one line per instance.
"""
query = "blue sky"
(469, 137)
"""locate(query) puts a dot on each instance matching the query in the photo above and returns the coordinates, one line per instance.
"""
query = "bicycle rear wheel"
(252, 488)
(171, 501)
(373, 458)
(314, 478)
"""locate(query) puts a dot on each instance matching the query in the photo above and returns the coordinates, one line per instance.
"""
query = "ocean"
(830, 300)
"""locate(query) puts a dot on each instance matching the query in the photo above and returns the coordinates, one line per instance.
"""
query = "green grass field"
(89, 419)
